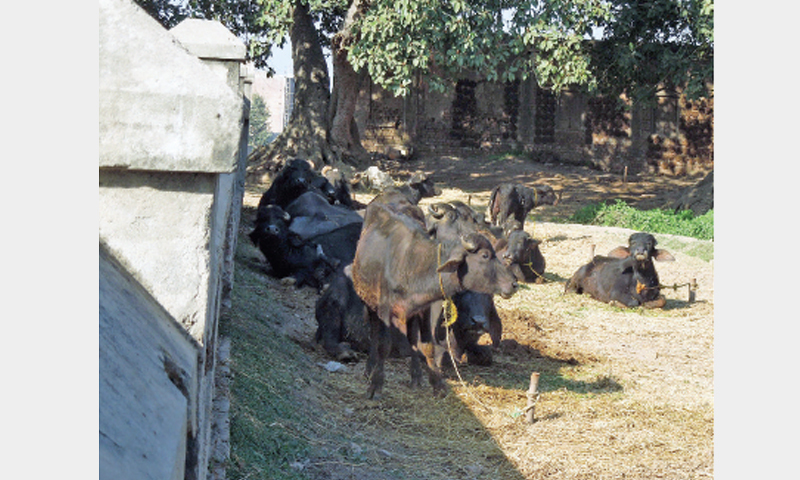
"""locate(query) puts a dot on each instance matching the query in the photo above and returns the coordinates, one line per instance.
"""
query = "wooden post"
(591, 251)
(692, 286)
(533, 396)
(625, 175)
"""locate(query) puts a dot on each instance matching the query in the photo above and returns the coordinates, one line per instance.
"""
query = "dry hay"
(625, 393)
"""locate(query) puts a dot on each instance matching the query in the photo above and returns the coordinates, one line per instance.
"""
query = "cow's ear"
(664, 256)
(620, 252)
(450, 266)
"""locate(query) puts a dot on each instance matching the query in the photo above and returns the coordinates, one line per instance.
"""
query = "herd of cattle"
(395, 280)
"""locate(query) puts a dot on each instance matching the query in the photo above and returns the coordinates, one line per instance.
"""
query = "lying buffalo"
(335, 228)
(625, 277)
(294, 179)
(476, 315)
(520, 252)
(287, 253)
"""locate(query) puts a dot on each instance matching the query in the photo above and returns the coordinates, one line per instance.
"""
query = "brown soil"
(624, 393)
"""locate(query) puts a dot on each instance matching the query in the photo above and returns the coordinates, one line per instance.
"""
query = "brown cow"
(399, 271)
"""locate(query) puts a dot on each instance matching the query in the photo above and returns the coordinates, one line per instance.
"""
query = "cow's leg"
(426, 345)
(373, 352)
(623, 300)
(657, 303)
(415, 367)
(478, 354)
(380, 345)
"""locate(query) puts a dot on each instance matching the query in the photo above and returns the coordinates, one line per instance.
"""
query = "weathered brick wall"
(673, 137)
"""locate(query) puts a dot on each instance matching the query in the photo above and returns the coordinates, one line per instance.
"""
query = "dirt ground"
(624, 393)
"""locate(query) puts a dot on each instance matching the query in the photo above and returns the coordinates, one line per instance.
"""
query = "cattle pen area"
(622, 392)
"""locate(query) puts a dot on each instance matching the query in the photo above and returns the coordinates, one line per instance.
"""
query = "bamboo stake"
(533, 396)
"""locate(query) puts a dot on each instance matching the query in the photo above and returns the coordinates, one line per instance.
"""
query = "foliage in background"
(643, 44)
(620, 214)
(658, 43)
(259, 127)
(242, 17)
(500, 39)
(167, 12)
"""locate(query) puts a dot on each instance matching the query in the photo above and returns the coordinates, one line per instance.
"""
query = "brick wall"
(674, 136)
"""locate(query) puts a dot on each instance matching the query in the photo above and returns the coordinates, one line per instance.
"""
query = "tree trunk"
(344, 137)
(306, 134)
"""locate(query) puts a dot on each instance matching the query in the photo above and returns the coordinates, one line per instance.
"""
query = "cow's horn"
(435, 211)
(468, 244)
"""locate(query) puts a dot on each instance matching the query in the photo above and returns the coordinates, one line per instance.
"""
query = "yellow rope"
(449, 308)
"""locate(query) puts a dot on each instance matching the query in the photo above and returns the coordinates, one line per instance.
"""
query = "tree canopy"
(607, 47)
(641, 44)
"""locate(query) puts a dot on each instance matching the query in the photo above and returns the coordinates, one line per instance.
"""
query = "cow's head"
(295, 175)
(478, 267)
(642, 247)
(545, 195)
(520, 244)
(420, 182)
(474, 311)
(272, 222)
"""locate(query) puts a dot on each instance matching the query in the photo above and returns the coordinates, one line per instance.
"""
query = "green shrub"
(620, 214)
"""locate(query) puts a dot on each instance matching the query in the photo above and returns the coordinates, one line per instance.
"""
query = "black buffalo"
(334, 227)
(287, 253)
(520, 252)
(514, 201)
(341, 188)
(342, 328)
(294, 179)
(626, 276)
(476, 314)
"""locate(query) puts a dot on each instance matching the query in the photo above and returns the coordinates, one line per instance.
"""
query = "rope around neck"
(450, 317)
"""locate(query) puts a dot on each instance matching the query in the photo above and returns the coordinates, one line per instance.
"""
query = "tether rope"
(448, 310)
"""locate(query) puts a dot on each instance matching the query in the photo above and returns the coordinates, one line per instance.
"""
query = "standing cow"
(514, 201)
(399, 271)
(625, 277)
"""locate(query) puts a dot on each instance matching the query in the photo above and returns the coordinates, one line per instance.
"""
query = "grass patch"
(267, 413)
(620, 214)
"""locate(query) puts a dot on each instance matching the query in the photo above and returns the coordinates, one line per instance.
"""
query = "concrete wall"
(147, 388)
(174, 110)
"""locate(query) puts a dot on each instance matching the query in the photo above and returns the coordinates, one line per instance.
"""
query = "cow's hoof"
(346, 354)
(440, 391)
(657, 303)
